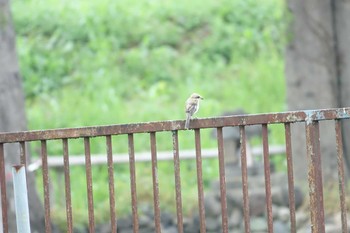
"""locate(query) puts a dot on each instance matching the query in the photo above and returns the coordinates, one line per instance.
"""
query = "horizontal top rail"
(235, 120)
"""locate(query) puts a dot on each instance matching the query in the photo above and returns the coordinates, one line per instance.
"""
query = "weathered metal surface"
(291, 195)
(21, 198)
(315, 177)
(311, 119)
(244, 179)
(272, 118)
(155, 180)
(111, 183)
(197, 138)
(177, 182)
(22, 153)
(341, 179)
(67, 186)
(267, 178)
(135, 220)
(90, 195)
(3, 190)
(222, 180)
(46, 187)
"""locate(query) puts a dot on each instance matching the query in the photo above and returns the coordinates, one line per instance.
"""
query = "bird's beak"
(201, 98)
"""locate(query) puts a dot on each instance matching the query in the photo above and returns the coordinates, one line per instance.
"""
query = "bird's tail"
(187, 124)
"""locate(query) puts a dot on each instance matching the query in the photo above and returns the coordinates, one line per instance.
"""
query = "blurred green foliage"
(112, 62)
(137, 44)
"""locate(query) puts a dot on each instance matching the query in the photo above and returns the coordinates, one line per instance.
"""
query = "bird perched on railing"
(192, 106)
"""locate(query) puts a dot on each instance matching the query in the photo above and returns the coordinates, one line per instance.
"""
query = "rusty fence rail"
(311, 120)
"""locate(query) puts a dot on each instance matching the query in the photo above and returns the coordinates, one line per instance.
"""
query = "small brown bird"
(192, 106)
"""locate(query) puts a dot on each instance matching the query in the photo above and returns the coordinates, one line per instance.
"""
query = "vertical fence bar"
(244, 179)
(177, 182)
(267, 178)
(341, 180)
(200, 181)
(155, 182)
(290, 177)
(315, 177)
(133, 183)
(46, 186)
(222, 180)
(111, 183)
(22, 153)
(3, 190)
(67, 186)
(89, 185)
(21, 198)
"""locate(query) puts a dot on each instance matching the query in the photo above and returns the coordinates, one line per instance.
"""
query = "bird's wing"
(191, 107)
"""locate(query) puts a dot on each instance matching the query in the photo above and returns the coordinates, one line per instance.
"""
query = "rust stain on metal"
(18, 167)
(222, 180)
(3, 190)
(46, 187)
(200, 181)
(22, 152)
(291, 195)
(110, 165)
(133, 183)
(341, 178)
(177, 182)
(90, 195)
(156, 204)
(267, 178)
(69, 213)
(315, 177)
(244, 179)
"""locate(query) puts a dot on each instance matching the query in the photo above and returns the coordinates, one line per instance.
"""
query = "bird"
(192, 106)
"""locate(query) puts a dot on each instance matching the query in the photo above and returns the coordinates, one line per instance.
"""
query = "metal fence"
(310, 118)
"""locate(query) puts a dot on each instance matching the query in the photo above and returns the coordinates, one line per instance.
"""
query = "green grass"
(112, 62)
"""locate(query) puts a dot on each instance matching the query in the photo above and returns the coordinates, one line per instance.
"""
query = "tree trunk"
(311, 77)
(341, 11)
(12, 117)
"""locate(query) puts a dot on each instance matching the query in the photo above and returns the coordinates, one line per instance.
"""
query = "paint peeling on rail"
(314, 115)
(342, 113)
(309, 116)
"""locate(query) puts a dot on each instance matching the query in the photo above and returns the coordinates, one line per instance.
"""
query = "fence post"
(315, 176)
(21, 198)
